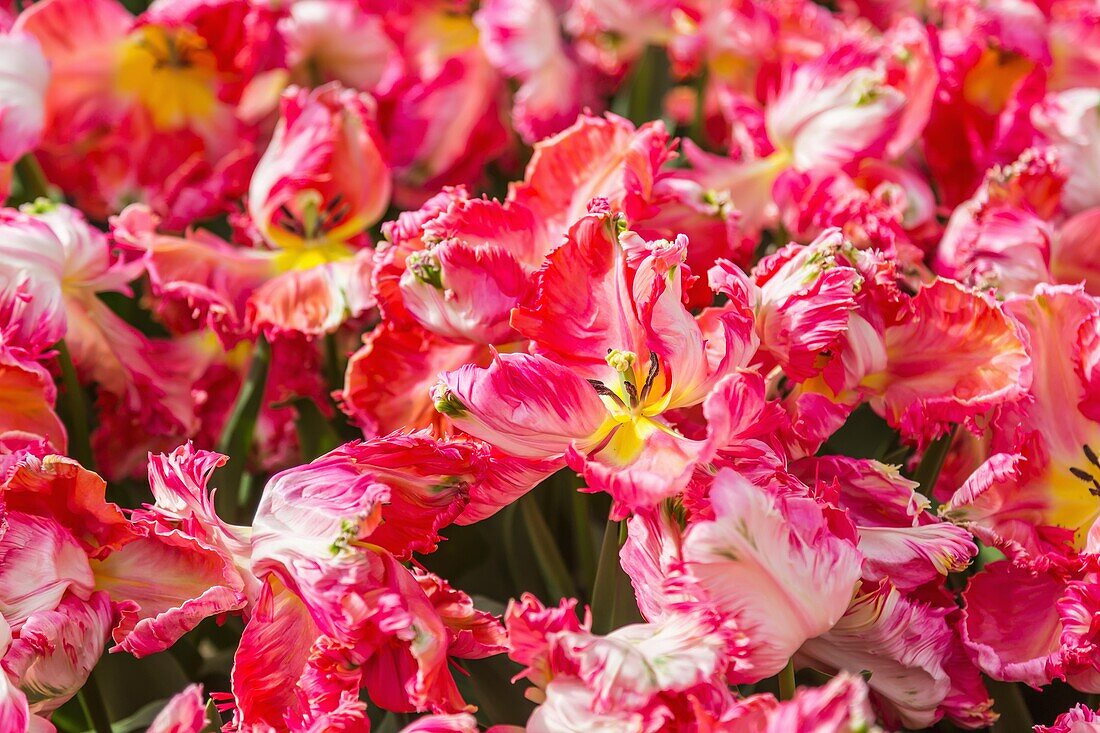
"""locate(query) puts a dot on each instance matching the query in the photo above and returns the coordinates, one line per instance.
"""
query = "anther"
(621, 361)
(631, 392)
(1083, 475)
(654, 369)
(1088, 478)
(604, 391)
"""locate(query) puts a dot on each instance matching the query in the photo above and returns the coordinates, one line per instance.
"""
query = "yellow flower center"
(632, 410)
(1075, 494)
(171, 72)
(990, 83)
(309, 233)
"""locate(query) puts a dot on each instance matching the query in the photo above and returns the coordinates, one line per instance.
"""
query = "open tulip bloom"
(560, 366)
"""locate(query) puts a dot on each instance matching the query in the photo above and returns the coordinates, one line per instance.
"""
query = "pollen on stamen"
(621, 361)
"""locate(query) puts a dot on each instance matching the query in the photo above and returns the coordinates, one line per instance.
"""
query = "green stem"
(403, 719)
(554, 571)
(582, 538)
(786, 682)
(626, 602)
(641, 88)
(91, 700)
(603, 589)
(1009, 702)
(34, 181)
(641, 98)
(236, 437)
(699, 123)
(75, 409)
(508, 527)
(334, 365)
(931, 463)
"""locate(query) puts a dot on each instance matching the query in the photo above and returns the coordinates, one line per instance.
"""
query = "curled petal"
(903, 643)
(774, 565)
(805, 298)
(631, 665)
(273, 652)
(41, 561)
(651, 550)
(474, 634)
(312, 301)
(1011, 623)
(912, 556)
(507, 478)
(32, 265)
(1003, 505)
(24, 76)
(184, 713)
(574, 325)
(464, 291)
(1078, 719)
(388, 382)
(527, 406)
(531, 626)
(27, 402)
(165, 584)
(56, 650)
(833, 109)
(638, 464)
(842, 704)
(596, 157)
(956, 356)
(569, 709)
(59, 487)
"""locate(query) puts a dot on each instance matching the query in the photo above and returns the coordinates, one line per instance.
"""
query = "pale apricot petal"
(774, 565)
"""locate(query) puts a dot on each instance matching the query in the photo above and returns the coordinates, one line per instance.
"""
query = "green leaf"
(138, 721)
(642, 98)
(603, 589)
(95, 710)
(547, 555)
(490, 687)
(236, 437)
(931, 463)
(1015, 716)
(863, 435)
(613, 602)
(582, 537)
(316, 435)
(74, 409)
(213, 718)
(33, 184)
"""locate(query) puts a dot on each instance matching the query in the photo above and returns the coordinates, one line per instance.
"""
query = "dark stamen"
(604, 391)
(334, 215)
(1083, 475)
(631, 392)
(1088, 478)
(654, 368)
(1091, 455)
